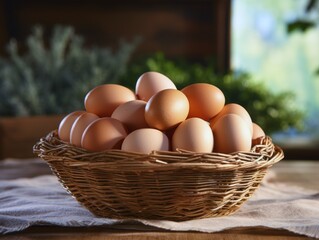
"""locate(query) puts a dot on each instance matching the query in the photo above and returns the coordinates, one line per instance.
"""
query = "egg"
(150, 83)
(145, 140)
(193, 134)
(258, 132)
(231, 134)
(235, 109)
(205, 100)
(131, 114)
(166, 109)
(102, 134)
(65, 125)
(104, 99)
(79, 126)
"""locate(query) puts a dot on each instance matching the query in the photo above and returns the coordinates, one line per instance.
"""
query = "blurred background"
(261, 54)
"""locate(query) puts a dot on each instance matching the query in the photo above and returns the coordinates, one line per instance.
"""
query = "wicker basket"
(162, 185)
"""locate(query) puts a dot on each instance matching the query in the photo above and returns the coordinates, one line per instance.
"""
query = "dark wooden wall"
(193, 29)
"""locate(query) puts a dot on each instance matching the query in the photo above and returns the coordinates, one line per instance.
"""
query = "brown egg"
(146, 140)
(193, 134)
(234, 108)
(257, 133)
(102, 100)
(79, 126)
(151, 83)
(166, 109)
(205, 100)
(66, 125)
(131, 114)
(231, 134)
(102, 134)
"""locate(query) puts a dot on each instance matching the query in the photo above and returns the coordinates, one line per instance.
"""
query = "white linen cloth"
(40, 200)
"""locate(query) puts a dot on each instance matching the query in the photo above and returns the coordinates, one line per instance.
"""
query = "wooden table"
(301, 173)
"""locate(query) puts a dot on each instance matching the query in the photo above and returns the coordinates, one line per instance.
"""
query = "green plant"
(271, 111)
(55, 79)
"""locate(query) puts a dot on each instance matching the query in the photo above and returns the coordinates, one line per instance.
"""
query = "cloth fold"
(41, 200)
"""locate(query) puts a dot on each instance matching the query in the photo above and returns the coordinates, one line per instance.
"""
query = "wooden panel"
(18, 135)
(194, 29)
(3, 32)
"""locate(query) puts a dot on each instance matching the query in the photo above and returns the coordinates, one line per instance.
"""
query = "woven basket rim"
(264, 154)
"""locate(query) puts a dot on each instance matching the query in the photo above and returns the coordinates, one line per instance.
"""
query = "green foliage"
(304, 23)
(271, 111)
(301, 25)
(55, 79)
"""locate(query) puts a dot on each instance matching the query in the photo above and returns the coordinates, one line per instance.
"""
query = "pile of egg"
(159, 117)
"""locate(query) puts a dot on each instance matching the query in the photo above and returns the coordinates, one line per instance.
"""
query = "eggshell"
(231, 134)
(205, 100)
(146, 140)
(166, 109)
(151, 83)
(257, 133)
(102, 100)
(102, 134)
(65, 125)
(237, 109)
(193, 134)
(79, 126)
(131, 114)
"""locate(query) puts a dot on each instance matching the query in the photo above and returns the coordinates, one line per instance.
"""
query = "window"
(262, 46)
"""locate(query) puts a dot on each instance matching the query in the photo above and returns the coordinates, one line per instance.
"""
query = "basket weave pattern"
(162, 185)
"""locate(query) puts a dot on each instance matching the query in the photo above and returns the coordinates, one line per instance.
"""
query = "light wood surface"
(301, 173)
